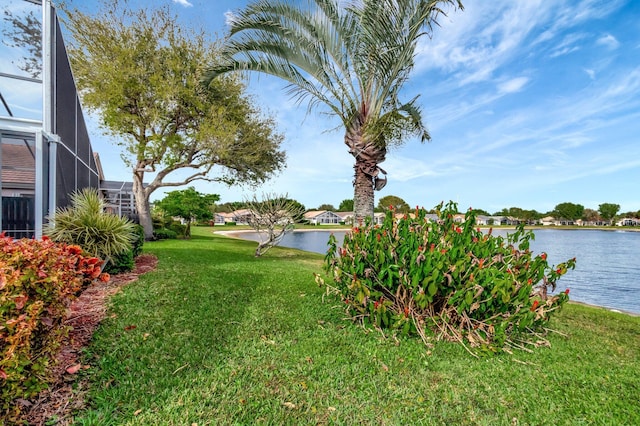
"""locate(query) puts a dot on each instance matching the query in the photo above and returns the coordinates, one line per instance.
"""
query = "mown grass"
(215, 336)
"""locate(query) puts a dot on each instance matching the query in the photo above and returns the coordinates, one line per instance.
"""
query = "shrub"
(86, 224)
(164, 234)
(38, 281)
(447, 279)
(125, 261)
(178, 228)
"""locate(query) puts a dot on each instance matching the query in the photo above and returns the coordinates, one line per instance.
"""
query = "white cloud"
(608, 41)
(513, 85)
(184, 3)
(591, 73)
(568, 44)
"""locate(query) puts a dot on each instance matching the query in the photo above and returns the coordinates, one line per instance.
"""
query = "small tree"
(142, 73)
(272, 217)
(346, 205)
(569, 211)
(608, 211)
(188, 205)
(399, 205)
(327, 207)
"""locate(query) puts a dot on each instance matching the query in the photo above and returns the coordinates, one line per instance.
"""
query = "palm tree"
(352, 57)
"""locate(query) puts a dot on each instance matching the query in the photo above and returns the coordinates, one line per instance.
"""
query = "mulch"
(66, 393)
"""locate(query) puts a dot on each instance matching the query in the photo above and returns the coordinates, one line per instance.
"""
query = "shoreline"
(237, 234)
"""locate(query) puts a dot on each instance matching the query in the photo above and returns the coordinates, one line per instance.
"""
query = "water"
(607, 271)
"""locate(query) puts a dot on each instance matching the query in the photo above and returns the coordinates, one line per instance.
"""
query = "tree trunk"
(142, 206)
(363, 197)
(368, 155)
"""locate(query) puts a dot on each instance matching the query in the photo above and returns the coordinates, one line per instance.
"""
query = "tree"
(328, 207)
(143, 74)
(590, 215)
(397, 203)
(351, 57)
(346, 205)
(608, 211)
(272, 217)
(569, 211)
(481, 212)
(188, 204)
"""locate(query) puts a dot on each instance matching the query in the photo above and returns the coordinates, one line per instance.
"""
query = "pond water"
(607, 270)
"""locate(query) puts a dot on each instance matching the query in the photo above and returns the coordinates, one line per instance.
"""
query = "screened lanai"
(46, 152)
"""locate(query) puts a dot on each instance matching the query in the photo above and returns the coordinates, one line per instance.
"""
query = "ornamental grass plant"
(85, 223)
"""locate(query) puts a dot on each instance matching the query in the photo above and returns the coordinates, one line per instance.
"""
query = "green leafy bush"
(178, 228)
(446, 279)
(164, 234)
(125, 261)
(38, 281)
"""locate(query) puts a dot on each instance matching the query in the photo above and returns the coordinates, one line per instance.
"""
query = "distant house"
(242, 216)
(347, 217)
(626, 221)
(322, 217)
(548, 221)
(482, 220)
(221, 218)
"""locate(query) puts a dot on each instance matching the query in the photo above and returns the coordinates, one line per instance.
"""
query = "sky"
(529, 104)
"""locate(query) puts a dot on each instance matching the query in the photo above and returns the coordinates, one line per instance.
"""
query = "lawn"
(215, 336)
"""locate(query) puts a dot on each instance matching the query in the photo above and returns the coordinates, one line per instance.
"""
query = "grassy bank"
(215, 336)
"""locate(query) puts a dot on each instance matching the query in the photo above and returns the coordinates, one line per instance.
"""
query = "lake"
(607, 270)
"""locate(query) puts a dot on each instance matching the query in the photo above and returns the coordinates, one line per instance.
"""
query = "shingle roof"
(18, 165)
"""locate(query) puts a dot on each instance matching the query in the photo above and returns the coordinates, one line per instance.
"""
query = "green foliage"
(417, 276)
(346, 205)
(141, 71)
(125, 261)
(569, 211)
(398, 204)
(180, 229)
(355, 63)
(608, 210)
(38, 281)
(164, 234)
(327, 207)
(121, 262)
(86, 224)
(188, 204)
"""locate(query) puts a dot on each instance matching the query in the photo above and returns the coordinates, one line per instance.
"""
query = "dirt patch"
(66, 394)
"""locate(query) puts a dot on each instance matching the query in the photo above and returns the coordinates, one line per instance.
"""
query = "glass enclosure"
(46, 153)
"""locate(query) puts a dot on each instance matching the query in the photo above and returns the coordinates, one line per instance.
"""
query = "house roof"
(18, 165)
(315, 213)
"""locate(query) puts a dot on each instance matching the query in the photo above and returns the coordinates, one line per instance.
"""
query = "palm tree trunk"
(368, 155)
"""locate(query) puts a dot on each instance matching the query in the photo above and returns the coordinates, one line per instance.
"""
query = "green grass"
(223, 338)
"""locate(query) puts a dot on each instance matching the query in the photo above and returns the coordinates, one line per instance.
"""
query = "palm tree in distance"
(350, 56)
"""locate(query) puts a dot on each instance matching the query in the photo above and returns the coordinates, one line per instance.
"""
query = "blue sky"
(529, 104)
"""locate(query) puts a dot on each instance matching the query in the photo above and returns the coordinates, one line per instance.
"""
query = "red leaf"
(74, 369)
(130, 327)
(3, 375)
